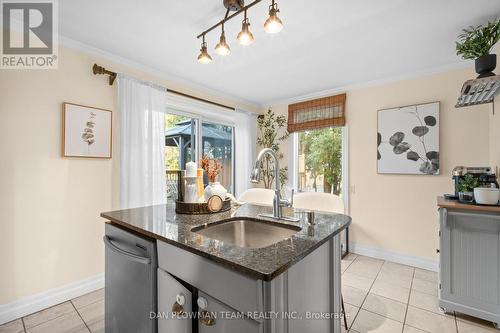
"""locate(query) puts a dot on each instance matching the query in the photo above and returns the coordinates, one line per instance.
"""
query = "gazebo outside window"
(181, 142)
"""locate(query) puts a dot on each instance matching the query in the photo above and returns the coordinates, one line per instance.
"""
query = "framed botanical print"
(86, 131)
(408, 140)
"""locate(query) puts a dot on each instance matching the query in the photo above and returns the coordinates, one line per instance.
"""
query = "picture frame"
(408, 139)
(87, 132)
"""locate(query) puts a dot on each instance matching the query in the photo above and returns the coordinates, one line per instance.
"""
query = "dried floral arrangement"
(212, 167)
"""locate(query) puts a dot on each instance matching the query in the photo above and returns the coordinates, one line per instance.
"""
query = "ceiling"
(325, 44)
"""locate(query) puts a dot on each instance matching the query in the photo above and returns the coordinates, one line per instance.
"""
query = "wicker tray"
(199, 208)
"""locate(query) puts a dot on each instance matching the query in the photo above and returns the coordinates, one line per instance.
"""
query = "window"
(218, 143)
(180, 132)
(320, 165)
(320, 160)
(320, 148)
(183, 134)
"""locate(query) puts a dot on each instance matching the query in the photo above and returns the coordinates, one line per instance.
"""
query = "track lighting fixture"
(273, 24)
(222, 48)
(204, 57)
(245, 37)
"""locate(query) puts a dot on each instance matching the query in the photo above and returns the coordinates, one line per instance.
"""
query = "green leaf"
(478, 41)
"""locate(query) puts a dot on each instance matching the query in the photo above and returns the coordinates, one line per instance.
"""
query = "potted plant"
(273, 132)
(476, 43)
(466, 187)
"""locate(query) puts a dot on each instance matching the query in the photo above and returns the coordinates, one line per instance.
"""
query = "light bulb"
(223, 48)
(245, 37)
(273, 23)
(204, 57)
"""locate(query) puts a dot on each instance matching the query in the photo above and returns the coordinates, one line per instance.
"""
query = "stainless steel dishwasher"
(130, 282)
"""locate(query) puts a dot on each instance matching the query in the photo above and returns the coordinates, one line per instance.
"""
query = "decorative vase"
(466, 196)
(215, 188)
(485, 65)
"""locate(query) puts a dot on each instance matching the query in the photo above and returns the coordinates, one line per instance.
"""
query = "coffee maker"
(484, 175)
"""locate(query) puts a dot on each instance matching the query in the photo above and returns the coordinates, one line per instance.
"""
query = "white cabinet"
(225, 319)
(173, 297)
(470, 263)
(311, 285)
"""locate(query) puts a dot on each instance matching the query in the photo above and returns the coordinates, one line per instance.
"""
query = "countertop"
(454, 204)
(162, 223)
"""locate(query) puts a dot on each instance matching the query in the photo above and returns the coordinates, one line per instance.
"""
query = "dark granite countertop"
(162, 223)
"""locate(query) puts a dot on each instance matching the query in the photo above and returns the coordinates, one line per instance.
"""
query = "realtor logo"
(29, 34)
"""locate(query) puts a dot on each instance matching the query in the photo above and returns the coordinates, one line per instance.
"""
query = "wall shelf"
(479, 91)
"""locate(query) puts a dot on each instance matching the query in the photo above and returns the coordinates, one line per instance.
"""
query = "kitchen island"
(290, 283)
(469, 270)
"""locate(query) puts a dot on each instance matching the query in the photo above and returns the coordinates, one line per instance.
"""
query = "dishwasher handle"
(131, 256)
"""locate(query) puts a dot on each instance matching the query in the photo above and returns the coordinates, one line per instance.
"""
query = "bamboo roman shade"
(317, 113)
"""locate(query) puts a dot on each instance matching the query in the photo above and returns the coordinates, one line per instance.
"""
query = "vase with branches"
(212, 168)
(273, 132)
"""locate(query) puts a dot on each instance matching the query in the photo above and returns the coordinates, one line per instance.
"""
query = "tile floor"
(385, 297)
(80, 315)
(379, 296)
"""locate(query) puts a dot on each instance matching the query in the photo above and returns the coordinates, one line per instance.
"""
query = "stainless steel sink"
(247, 233)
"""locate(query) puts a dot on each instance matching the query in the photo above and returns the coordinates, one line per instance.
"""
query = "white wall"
(397, 213)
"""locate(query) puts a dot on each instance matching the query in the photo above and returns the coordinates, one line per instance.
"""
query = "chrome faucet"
(278, 202)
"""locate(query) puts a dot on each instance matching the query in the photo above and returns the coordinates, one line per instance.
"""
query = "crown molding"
(356, 86)
(258, 107)
(97, 52)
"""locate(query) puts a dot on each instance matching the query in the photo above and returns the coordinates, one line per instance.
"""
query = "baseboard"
(399, 258)
(31, 304)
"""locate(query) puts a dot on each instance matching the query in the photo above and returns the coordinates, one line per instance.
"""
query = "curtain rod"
(97, 70)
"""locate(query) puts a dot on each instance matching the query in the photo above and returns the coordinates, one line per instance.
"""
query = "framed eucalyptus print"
(408, 140)
(86, 131)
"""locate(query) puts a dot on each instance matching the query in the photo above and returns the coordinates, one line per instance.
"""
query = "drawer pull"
(178, 307)
(206, 318)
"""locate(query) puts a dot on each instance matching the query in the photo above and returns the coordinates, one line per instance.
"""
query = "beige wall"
(50, 229)
(398, 213)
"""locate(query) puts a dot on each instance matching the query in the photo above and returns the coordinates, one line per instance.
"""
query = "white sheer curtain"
(142, 132)
(245, 137)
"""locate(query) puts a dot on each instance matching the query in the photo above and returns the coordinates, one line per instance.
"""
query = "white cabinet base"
(305, 298)
(470, 263)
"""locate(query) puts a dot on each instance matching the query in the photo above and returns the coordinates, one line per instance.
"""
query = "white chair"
(258, 196)
(322, 202)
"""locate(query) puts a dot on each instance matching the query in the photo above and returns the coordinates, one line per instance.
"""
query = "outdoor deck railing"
(172, 179)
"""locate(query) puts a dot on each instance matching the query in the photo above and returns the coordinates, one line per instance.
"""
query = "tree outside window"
(320, 160)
